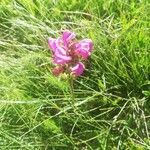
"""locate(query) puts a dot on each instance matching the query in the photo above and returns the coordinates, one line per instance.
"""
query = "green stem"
(71, 81)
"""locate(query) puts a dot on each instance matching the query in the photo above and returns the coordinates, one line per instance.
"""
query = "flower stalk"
(71, 84)
(68, 56)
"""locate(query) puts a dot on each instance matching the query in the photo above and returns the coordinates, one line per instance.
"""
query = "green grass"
(112, 96)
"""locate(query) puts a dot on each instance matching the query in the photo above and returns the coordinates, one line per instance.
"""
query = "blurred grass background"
(113, 95)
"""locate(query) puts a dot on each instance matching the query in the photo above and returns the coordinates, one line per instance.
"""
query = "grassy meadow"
(112, 97)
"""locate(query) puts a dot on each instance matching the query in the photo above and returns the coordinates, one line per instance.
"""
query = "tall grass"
(112, 97)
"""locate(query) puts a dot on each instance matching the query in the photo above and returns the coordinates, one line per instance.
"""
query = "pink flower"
(84, 48)
(67, 52)
(68, 37)
(78, 69)
(60, 52)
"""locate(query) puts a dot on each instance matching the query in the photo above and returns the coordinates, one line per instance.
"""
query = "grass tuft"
(112, 97)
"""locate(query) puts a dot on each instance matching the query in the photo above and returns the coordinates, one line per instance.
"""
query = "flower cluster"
(68, 53)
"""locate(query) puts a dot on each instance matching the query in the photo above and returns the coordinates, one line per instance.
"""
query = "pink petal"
(55, 45)
(58, 61)
(87, 43)
(84, 48)
(66, 58)
(61, 59)
(67, 37)
(52, 44)
(78, 69)
(59, 48)
(85, 54)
